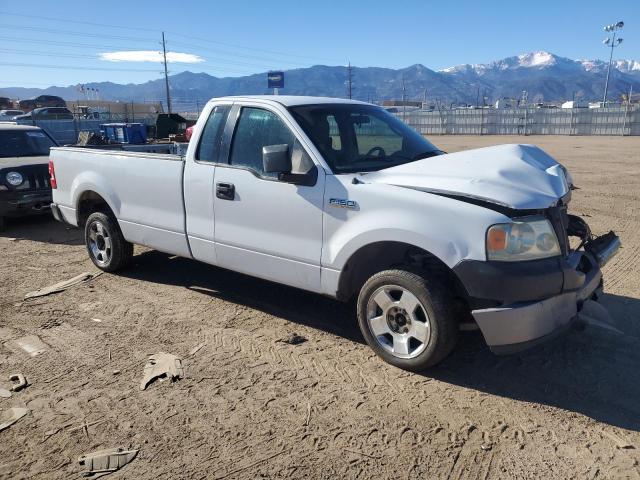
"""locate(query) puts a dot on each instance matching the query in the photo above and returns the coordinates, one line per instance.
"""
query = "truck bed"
(144, 191)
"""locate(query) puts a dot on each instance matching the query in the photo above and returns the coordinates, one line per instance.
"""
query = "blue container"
(130, 133)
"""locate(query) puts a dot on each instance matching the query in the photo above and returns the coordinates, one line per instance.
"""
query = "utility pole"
(349, 81)
(611, 42)
(166, 73)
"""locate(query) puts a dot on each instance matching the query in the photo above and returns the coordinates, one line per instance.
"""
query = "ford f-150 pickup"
(342, 198)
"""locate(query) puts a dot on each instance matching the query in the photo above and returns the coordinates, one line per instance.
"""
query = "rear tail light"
(52, 175)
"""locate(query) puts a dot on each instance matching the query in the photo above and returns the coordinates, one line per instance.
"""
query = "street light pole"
(611, 42)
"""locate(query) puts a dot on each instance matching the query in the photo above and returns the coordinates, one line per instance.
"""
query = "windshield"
(360, 138)
(24, 143)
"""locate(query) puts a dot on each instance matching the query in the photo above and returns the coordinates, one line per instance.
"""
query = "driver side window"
(372, 133)
(257, 128)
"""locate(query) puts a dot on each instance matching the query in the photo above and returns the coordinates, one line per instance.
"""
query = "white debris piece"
(161, 365)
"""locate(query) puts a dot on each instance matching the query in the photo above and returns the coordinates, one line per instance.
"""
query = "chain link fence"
(623, 120)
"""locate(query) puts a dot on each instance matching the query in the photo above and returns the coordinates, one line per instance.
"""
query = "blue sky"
(237, 38)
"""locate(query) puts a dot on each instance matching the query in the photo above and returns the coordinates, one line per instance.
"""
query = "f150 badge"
(343, 203)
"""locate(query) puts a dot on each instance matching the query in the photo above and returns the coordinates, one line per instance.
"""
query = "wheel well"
(376, 257)
(89, 203)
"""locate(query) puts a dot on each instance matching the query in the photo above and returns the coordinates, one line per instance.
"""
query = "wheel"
(407, 318)
(107, 248)
(3, 224)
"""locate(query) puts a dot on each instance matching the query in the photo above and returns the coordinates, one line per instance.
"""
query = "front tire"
(407, 318)
(107, 248)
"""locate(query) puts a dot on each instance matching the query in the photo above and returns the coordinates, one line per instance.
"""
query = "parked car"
(341, 198)
(42, 101)
(48, 113)
(24, 174)
(6, 103)
(9, 115)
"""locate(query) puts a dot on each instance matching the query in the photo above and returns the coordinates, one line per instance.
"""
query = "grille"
(36, 178)
(39, 180)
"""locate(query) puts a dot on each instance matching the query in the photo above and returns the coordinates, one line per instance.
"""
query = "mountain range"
(543, 75)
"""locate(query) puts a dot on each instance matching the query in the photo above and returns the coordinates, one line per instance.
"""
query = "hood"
(13, 162)
(514, 176)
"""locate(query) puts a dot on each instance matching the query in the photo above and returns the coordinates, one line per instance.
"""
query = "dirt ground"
(254, 406)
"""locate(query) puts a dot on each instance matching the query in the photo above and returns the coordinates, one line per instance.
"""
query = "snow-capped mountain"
(541, 60)
(548, 77)
(626, 66)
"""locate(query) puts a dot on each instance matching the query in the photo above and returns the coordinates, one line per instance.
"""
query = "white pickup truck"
(341, 198)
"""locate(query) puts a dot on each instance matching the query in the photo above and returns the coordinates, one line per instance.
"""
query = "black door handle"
(225, 191)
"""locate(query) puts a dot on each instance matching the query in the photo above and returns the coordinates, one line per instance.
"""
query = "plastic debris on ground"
(10, 416)
(30, 344)
(62, 286)
(163, 365)
(104, 462)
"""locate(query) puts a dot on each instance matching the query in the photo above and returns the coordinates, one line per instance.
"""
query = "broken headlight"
(523, 239)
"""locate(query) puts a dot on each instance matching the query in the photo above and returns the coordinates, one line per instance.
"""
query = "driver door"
(266, 227)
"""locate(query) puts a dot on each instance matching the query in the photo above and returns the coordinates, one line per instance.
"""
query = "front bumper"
(546, 300)
(18, 204)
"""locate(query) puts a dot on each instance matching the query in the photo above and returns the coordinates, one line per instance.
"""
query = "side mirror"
(276, 159)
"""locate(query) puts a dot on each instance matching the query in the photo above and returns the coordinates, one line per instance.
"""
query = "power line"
(117, 47)
(64, 44)
(71, 67)
(79, 22)
(95, 24)
(216, 60)
(81, 56)
(248, 63)
(80, 34)
(45, 54)
(242, 47)
(201, 67)
(235, 54)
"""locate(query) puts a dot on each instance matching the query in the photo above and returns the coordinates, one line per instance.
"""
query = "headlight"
(14, 178)
(524, 239)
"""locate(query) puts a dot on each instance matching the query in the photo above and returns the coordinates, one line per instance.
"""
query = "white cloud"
(149, 56)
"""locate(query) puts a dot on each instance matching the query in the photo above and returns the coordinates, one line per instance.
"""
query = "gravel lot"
(252, 405)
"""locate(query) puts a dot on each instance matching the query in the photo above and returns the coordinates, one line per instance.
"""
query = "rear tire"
(107, 248)
(407, 318)
(3, 224)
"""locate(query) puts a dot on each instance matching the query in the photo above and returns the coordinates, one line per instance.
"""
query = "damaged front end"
(518, 305)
